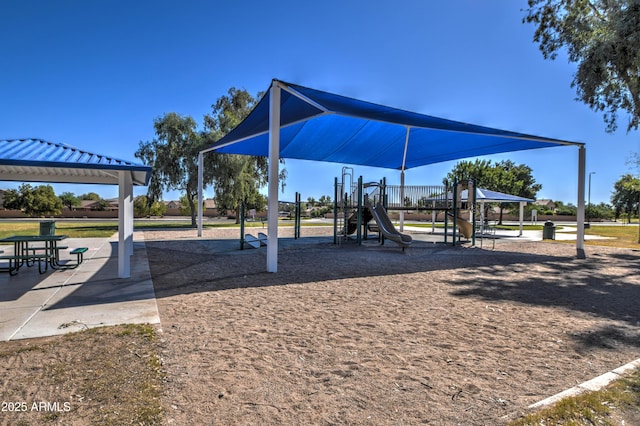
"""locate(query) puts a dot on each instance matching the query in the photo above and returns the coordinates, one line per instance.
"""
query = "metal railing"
(431, 197)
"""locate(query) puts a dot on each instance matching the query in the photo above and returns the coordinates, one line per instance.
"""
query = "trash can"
(48, 227)
(549, 231)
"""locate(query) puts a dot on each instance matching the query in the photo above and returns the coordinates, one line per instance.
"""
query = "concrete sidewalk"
(565, 233)
(92, 295)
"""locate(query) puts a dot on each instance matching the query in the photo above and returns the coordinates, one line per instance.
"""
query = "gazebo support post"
(522, 203)
(200, 185)
(125, 224)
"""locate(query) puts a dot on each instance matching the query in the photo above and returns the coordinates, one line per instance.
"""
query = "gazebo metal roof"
(37, 160)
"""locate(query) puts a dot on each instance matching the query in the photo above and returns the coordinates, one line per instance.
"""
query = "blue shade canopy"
(36, 160)
(321, 126)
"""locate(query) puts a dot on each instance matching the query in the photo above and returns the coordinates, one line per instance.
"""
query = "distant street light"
(589, 199)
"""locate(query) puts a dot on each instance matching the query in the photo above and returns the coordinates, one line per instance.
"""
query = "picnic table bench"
(79, 252)
(16, 260)
(23, 254)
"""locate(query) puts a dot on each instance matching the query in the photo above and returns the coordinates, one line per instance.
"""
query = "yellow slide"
(465, 227)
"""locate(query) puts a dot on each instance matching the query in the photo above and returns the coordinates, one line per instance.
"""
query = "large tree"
(69, 199)
(504, 176)
(173, 155)
(37, 201)
(603, 38)
(142, 207)
(626, 196)
(238, 178)
(92, 196)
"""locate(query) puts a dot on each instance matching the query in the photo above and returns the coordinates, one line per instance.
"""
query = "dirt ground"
(347, 334)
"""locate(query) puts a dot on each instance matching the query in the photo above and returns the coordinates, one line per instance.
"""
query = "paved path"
(92, 295)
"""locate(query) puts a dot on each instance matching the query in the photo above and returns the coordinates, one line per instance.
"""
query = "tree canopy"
(69, 199)
(90, 196)
(626, 196)
(238, 178)
(603, 38)
(173, 154)
(142, 207)
(37, 201)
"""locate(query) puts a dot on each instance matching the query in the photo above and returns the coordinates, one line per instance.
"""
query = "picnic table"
(24, 255)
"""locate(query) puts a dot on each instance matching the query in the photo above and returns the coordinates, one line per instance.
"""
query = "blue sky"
(96, 74)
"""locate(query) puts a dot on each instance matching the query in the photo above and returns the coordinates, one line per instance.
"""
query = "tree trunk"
(192, 209)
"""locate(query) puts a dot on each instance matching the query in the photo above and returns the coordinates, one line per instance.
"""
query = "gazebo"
(36, 160)
(486, 196)
(297, 122)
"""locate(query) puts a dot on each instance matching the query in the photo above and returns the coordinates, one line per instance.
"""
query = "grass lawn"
(621, 235)
(107, 376)
(618, 403)
(104, 229)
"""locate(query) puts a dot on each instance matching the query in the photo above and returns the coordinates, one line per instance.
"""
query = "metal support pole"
(296, 231)
(582, 159)
(384, 200)
(446, 212)
(402, 198)
(200, 188)
(471, 196)
(274, 162)
(335, 211)
(241, 226)
(359, 230)
(345, 214)
(455, 208)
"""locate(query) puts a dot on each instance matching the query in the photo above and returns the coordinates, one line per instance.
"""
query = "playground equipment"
(352, 214)
(347, 206)
(386, 226)
(465, 227)
(254, 242)
(250, 240)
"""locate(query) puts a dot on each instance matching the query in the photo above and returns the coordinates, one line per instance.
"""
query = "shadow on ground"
(603, 285)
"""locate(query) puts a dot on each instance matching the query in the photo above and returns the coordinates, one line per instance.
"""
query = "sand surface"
(347, 334)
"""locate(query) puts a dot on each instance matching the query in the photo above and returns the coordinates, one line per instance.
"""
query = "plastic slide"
(386, 226)
(465, 227)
